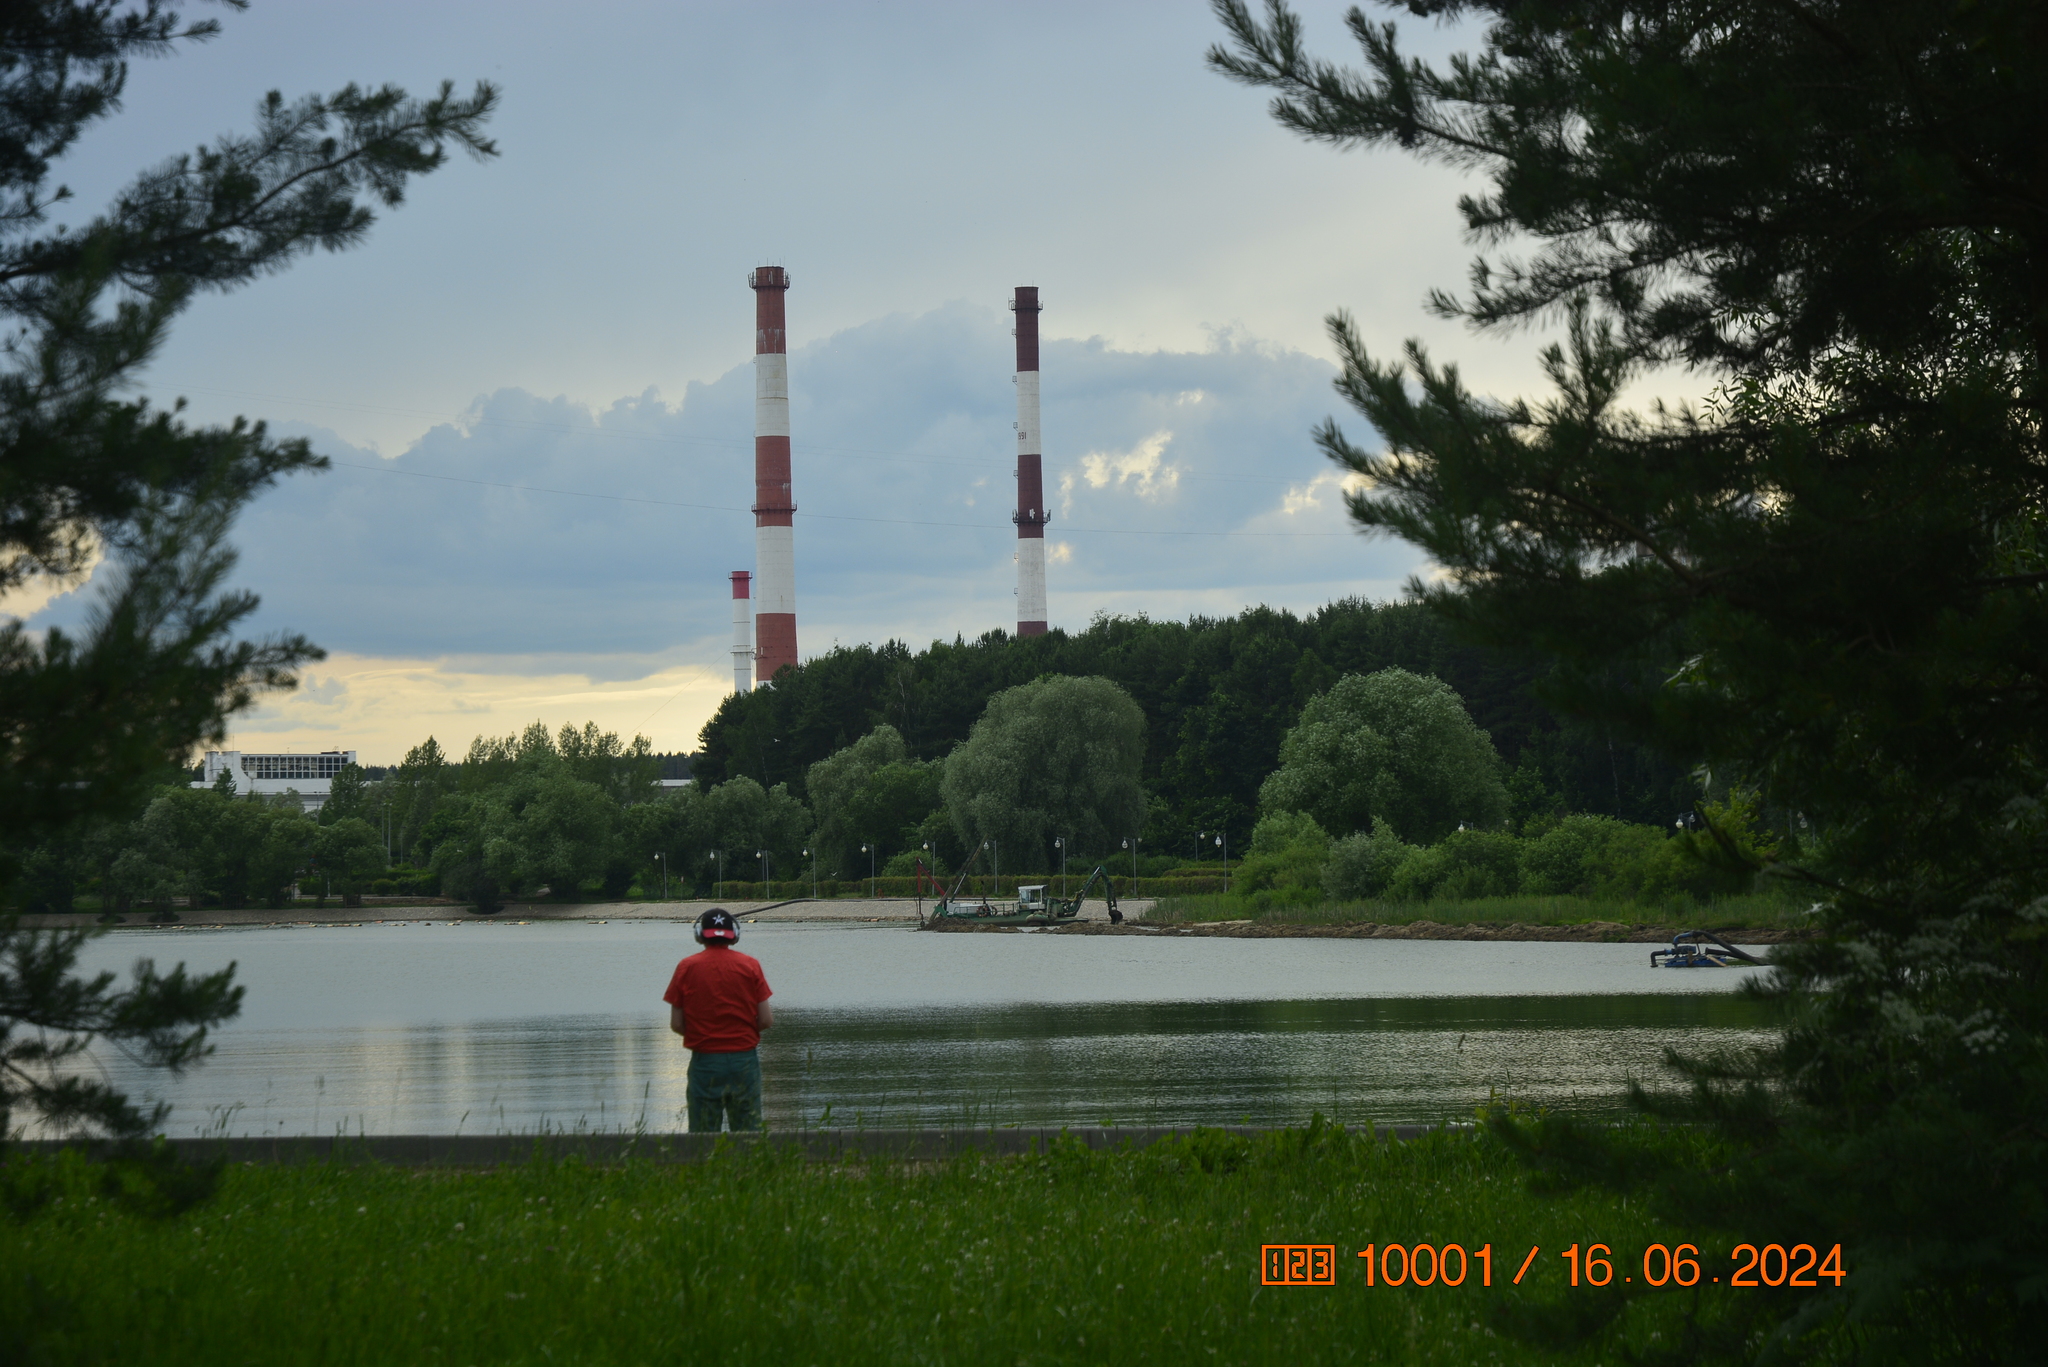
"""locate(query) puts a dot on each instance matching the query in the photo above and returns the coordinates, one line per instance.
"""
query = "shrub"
(1580, 852)
(1464, 864)
(1285, 862)
(1362, 866)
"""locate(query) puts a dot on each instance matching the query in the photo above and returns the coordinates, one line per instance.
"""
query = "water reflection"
(396, 1029)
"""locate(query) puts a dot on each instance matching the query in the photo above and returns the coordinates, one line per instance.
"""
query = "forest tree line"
(1149, 742)
(1218, 695)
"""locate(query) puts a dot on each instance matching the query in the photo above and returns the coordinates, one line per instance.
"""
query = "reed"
(1753, 912)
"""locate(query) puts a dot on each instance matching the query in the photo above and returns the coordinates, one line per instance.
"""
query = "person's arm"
(675, 1019)
(764, 1015)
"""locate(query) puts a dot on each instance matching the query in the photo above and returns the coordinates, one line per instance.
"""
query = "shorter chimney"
(742, 631)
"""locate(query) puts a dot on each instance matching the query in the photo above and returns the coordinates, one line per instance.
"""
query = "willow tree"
(1390, 750)
(1055, 759)
(1827, 581)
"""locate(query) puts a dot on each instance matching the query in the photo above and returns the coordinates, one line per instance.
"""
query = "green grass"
(1064, 1257)
(1682, 913)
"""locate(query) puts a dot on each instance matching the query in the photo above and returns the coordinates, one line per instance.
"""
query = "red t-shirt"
(719, 991)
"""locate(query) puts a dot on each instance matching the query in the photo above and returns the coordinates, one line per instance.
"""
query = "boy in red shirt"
(718, 1002)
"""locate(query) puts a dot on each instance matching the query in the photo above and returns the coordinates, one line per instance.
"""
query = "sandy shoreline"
(903, 911)
(843, 909)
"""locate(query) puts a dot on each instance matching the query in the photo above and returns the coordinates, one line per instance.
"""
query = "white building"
(310, 776)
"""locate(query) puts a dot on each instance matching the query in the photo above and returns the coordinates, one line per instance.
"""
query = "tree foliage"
(1218, 695)
(50, 1016)
(90, 721)
(1285, 860)
(1826, 582)
(1055, 758)
(1389, 749)
(871, 793)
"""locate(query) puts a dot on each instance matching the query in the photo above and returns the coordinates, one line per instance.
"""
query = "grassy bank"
(1682, 912)
(1067, 1257)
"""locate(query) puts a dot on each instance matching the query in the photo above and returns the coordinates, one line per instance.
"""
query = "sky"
(535, 377)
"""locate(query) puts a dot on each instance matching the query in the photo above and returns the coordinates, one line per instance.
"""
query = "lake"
(493, 1026)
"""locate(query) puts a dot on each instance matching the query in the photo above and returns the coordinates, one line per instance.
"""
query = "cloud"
(1329, 486)
(537, 541)
(32, 596)
(382, 707)
(1143, 468)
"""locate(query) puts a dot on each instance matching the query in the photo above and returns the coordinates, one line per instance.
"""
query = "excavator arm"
(1072, 907)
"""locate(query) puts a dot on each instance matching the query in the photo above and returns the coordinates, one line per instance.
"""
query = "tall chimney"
(774, 508)
(742, 632)
(1031, 515)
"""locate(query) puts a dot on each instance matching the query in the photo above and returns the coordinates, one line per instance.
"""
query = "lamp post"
(1220, 840)
(927, 848)
(767, 868)
(719, 855)
(869, 851)
(1059, 842)
(814, 874)
(1132, 846)
(664, 875)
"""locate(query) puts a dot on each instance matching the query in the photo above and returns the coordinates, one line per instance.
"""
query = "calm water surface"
(438, 1027)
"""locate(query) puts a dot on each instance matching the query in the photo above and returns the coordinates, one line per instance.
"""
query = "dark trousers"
(725, 1087)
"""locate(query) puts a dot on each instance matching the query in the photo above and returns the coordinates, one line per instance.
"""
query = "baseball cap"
(718, 925)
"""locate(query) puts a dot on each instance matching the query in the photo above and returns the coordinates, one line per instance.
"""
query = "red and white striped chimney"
(742, 633)
(1031, 515)
(774, 507)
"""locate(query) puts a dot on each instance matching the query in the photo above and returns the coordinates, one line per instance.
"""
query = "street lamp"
(927, 847)
(814, 875)
(1132, 846)
(664, 875)
(767, 867)
(1220, 839)
(1059, 842)
(719, 855)
(869, 851)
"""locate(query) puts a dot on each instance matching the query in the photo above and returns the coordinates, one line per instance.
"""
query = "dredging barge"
(1033, 906)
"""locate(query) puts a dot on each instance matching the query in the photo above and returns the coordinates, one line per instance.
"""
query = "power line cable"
(725, 443)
